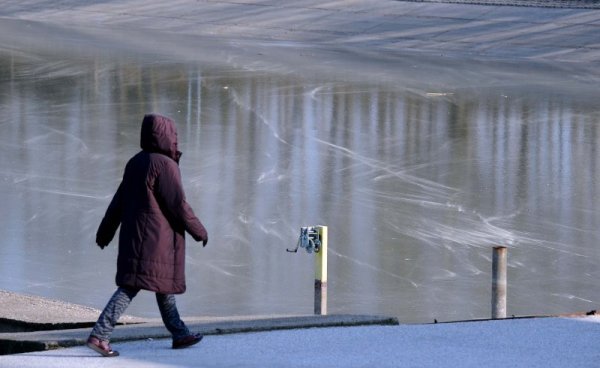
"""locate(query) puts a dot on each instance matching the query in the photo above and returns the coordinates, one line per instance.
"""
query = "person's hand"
(101, 246)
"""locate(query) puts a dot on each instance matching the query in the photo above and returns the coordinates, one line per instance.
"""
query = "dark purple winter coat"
(151, 208)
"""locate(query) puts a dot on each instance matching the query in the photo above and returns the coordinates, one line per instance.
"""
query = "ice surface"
(417, 182)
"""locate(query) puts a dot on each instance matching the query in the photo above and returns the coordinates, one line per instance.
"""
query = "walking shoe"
(186, 341)
(101, 347)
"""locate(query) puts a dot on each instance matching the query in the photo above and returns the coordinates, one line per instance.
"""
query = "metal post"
(321, 274)
(499, 282)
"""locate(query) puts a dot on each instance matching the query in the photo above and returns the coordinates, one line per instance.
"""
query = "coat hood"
(159, 135)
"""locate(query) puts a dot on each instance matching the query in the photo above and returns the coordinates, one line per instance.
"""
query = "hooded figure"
(151, 209)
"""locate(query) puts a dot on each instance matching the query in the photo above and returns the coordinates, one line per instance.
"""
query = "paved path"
(11, 343)
(531, 343)
(19, 312)
(31, 323)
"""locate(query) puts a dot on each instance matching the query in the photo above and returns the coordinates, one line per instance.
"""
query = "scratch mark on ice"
(371, 267)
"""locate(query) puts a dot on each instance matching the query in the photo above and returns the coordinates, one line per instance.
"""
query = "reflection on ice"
(415, 188)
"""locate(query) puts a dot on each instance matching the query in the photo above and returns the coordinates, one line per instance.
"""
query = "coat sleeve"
(171, 195)
(112, 219)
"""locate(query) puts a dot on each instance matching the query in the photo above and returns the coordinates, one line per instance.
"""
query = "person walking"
(150, 207)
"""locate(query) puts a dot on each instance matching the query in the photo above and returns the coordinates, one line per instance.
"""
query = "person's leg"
(111, 313)
(170, 316)
(182, 338)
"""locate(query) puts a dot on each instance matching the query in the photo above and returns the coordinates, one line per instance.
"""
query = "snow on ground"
(538, 342)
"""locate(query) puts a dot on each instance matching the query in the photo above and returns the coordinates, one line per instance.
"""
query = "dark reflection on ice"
(415, 188)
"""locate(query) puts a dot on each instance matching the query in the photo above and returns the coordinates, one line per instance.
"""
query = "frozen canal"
(416, 183)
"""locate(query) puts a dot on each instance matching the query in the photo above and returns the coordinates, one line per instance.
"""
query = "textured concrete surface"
(20, 312)
(527, 343)
(31, 323)
(11, 343)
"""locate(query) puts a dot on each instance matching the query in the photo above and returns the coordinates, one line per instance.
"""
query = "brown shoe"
(101, 347)
(186, 341)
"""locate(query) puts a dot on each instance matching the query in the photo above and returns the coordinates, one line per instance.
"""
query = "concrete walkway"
(12, 343)
(32, 323)
(22, 313)
(527, 343)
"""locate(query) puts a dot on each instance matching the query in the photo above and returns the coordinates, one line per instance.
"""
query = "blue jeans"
(120, 301)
